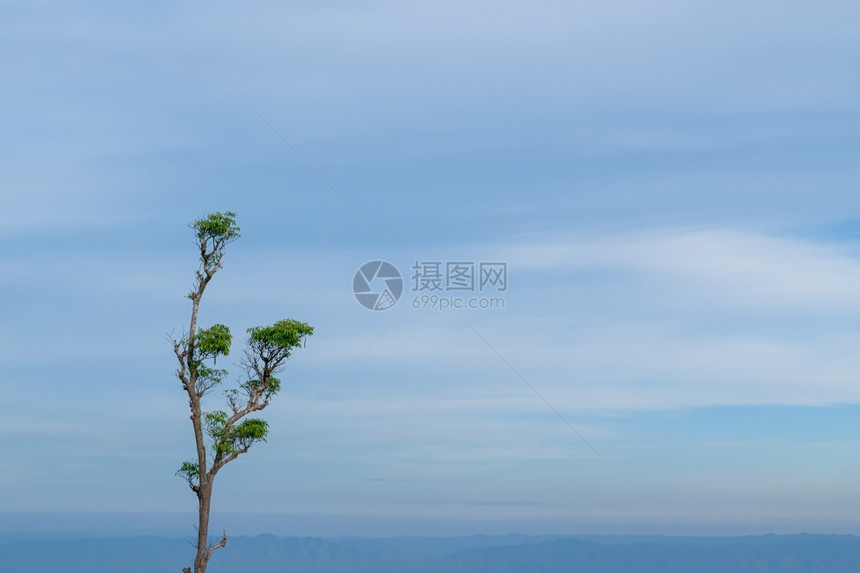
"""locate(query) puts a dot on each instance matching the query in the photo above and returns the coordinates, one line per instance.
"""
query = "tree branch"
(211, 549)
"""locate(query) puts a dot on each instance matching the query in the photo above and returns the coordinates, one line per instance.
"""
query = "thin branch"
(211, 549)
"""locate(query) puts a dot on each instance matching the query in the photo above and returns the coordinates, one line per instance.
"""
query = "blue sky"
(683, 280)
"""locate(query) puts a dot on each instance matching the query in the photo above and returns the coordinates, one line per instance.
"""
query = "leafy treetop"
(214, 232)
(217, 226)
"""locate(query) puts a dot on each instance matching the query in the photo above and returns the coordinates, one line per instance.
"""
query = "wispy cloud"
(739, 267)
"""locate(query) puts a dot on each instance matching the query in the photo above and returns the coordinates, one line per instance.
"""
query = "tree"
(221, 436)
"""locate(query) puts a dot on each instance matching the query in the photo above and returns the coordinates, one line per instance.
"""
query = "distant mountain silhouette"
(473, 554)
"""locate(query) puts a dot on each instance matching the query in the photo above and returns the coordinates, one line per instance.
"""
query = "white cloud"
(686, 318)
(740, 267)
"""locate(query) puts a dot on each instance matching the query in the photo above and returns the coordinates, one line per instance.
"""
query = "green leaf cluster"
(190, 471)
(252, 386)
(228, 439)
(250, 431)
(275, 342)
(217, 227)
(212, 342)
(213, 233)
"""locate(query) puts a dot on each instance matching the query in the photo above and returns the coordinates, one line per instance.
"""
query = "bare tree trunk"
(204, 497)
(204, 550)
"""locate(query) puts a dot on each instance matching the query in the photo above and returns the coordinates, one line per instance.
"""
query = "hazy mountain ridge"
(473, 554)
